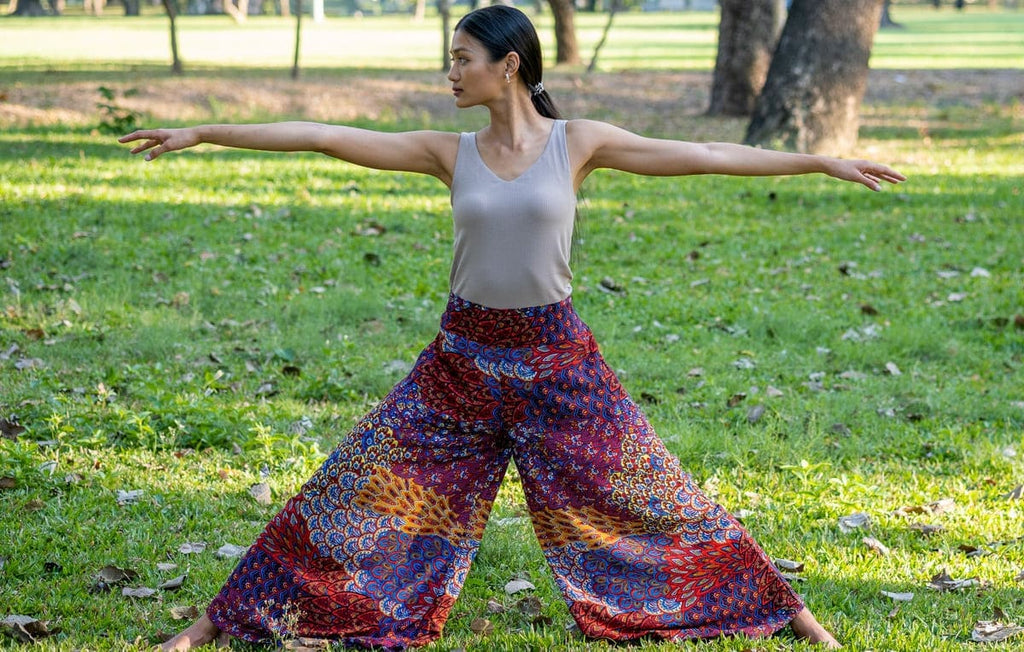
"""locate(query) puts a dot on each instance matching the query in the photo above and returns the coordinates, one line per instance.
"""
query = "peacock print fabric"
(376, 547)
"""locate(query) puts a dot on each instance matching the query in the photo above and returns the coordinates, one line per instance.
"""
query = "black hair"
(502, 29)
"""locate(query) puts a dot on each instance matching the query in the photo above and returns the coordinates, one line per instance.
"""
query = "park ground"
(841, 368)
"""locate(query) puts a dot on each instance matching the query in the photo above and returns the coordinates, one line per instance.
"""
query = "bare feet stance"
(807, 627)
(200, 633)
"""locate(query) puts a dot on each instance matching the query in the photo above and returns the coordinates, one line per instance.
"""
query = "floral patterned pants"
(376, 547)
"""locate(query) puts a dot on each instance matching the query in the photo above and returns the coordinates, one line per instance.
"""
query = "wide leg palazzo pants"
(376, 547)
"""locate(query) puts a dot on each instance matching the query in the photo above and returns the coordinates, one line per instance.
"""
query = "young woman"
(375, 548)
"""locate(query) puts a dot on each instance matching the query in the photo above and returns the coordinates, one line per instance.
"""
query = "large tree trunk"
(747, 34)
(566, 48)
(29, 8)
(811, 99)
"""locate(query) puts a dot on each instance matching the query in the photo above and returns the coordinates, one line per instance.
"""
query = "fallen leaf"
(926, 529)
(34, 505)
(892, 369)
(163, 567)
(230, 551)
(1020, 577)
(696, 372)
(943, 582)
(26, 628)
(755, 413)
(495, 607)
(736, 399)
(172, 584)
(515, 586)
(773, 392)
(993, 631)
(10, 428)
(192, 547)
(898, 597)
(139, 592)
(852, 522)
(868, 309)
(530, 606)
(481, 626)
(876, 546)
(789, 565)
(1017, 493)
(941, 506)
(744, 363)
(8, 482)
(129, 497)
(113, 575)
(184, 613)
(260, 492)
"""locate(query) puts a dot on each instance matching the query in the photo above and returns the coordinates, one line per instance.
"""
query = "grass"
(192, 326)
(678, 41)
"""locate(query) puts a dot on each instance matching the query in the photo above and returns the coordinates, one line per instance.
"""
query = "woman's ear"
(512, 63)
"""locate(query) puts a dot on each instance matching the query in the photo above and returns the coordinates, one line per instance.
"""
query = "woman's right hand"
(160, 141)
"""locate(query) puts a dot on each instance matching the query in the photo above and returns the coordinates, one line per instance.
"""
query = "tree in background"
(748, 31)
(172, 14)
(567, 49)
(811, 99)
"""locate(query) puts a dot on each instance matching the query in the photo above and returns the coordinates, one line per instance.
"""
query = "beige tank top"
(513, 238)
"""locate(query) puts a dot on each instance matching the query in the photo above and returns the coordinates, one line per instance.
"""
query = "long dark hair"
(502, 29)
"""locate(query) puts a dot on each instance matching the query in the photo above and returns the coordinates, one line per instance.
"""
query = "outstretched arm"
(600, 145)
(428, 152)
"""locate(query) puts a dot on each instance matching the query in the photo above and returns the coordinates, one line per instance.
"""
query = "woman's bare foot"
(200, 633)
(807, 627)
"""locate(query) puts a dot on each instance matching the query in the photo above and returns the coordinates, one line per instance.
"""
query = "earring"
(508, 78)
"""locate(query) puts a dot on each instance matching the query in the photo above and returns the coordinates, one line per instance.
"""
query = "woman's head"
(500, 30)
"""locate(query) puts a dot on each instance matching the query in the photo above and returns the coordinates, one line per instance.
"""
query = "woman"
(375, 548)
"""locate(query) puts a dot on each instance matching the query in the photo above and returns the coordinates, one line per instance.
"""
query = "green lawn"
(192, 326)
(974, 39)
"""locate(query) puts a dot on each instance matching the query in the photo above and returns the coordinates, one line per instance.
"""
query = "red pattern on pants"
(375, 548)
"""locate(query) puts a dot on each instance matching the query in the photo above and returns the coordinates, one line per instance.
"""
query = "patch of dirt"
(652, 102)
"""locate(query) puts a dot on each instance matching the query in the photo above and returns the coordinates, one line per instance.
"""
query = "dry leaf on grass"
(482, 626)
(993, 631)
(495, 607)
(26, 628)
(898, 597)
(260, 492)
(138, 592)
(129, 497)
(1017, 493)
(876, 546)
(789, 566)
(10, 428)
(853, 522)
(926, 529)
(110, 576)
(515, 586)
(184, 613)
(230, 551)
(172, 584)
(192, 547)
(943, 582)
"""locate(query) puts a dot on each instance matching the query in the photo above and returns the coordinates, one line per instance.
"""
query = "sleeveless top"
(513, 238)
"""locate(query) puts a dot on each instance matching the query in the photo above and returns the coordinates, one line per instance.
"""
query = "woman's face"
(475, 79)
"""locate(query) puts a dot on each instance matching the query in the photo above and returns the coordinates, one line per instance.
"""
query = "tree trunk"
(444, 7)
(566, 48)
(132, 7)
(29, 8)
(616, 6)
(811, 99)
(887, 21)
(298, 36)
(239, 12)
(746, 40)
(172, 13)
